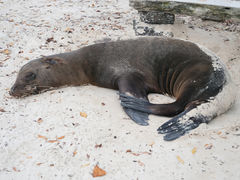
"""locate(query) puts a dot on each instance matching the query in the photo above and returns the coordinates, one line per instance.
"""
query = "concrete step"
(157, 11)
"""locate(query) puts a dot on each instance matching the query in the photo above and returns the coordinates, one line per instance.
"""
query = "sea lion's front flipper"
(143, 105)
(132, 85)
(138, 117)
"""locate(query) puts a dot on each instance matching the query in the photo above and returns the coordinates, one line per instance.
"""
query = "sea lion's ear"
(52, 60)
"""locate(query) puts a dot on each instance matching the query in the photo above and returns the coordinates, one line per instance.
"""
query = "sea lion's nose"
(11, 92)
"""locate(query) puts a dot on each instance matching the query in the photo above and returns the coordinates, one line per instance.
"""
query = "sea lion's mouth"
(20, 91)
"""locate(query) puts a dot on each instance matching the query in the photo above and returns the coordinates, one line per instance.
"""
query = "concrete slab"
(206, 9)
(223, 3)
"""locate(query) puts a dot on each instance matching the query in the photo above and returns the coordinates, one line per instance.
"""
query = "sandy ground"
(45, 137)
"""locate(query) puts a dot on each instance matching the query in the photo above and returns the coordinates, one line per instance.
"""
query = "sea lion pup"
(195, 77)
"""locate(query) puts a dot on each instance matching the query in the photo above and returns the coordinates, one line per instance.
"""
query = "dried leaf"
(151, 144)
(11, 44)
(141, 163)
(74, 153)
(83, 114)
(51, 39)
(69, 30)
(148, 153)
(208, 146)
(61, 137)
(180, 159)
(98, 145)
(85, 165)
(6, 52)
(135, 154)
(43, 137)
(98, 172)
(52, 141)
(15, 169)
(194, 150)
(39, 120)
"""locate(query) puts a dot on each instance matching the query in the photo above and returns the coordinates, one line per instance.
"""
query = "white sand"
(24, 28)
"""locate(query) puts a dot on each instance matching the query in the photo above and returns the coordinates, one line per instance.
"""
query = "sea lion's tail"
(193, 116)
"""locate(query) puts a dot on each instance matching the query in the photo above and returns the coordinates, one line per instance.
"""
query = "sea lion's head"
(37, 76)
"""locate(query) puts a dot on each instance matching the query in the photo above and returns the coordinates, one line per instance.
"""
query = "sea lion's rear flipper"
(199, 112)
(182, 123)
(132, 85)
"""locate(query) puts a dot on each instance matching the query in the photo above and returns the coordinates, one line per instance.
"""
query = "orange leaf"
(61, 137)
(98, 172)
(15, 169)
(6, 52)
(39, 120)
(208, 146)
(180, 159)
(52, 141)
(11, 44)
(43, 137)
(74, 153)
(194, 150)
(151, 144)
(83, 114)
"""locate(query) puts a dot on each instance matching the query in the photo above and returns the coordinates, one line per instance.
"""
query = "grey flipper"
(144, 105)
(181, 124)
(132, 85)
(138, 117)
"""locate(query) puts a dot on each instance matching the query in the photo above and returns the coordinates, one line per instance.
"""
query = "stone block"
(207, 10)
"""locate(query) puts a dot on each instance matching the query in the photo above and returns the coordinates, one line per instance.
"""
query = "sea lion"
(181, 69)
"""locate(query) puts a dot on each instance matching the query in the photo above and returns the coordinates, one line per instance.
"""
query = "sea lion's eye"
(30, 76)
